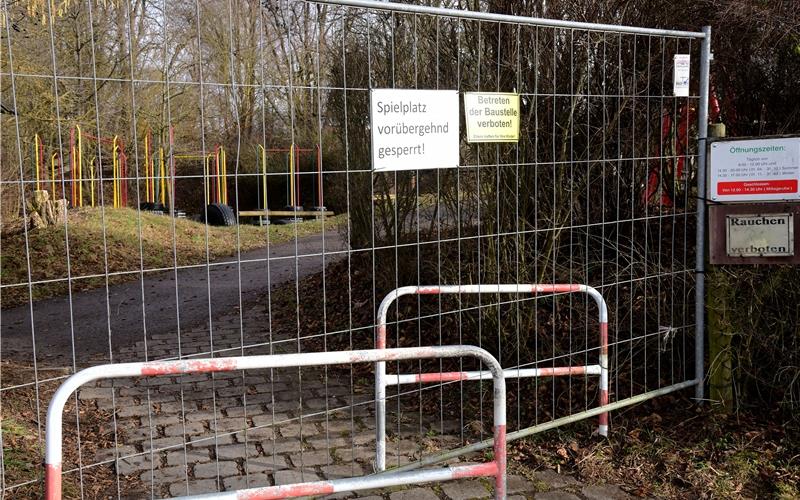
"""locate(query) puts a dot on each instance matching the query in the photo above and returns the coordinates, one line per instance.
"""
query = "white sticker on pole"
(755, 170)
(414, 129)
(680, 76)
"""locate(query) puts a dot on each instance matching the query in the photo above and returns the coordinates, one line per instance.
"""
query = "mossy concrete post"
(719, 303)
(720, 330)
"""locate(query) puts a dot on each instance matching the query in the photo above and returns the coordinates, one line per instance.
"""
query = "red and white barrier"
(496, 468)
(382, 380)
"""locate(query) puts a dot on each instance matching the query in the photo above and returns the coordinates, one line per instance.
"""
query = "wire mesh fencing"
(193, 179)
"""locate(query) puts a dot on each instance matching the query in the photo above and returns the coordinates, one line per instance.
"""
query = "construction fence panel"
(191, 180)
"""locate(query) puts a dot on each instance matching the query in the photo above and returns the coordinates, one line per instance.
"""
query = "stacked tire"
(219, 214)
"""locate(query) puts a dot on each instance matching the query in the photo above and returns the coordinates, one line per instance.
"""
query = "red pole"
(72, 165)
(172, 168)
(123, 165)
(216, 174)
(319, 177)
(297, 175)
(148, 159)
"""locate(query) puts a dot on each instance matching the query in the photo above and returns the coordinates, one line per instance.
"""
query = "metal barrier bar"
(381, 380)
(535, 429)
(495, 468)
(414, 378)
(508, 18)
(355, 483)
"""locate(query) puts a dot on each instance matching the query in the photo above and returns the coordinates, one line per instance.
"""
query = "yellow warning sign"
(492, 116)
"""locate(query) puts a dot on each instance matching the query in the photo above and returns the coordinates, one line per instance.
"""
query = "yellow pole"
(113, 181)
(162, 176)
(53, 174)
(263, 175)
(291, 176)
(114, 171)
(224, 167)
(221, 173)
(147, 167)
(79, 154)
(36, 157)
(91, 182)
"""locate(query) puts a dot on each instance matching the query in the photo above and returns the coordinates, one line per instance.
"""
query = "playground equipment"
(320, 206)
(294, 177)
(55, 160)
(215, 186)
(261, 187)
(118, 168)
(38, 155)
(294, 206)
(159, 177)
(261, 160)
(294, 209)
(40, 168)
(159, 181)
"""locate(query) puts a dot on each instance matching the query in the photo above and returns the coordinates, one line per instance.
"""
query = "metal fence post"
(700, 250)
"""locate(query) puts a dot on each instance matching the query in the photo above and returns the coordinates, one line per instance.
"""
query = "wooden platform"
(283, 213)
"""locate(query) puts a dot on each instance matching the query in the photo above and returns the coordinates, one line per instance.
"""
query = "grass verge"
(22, 415)
(122, 242)
(670, 448)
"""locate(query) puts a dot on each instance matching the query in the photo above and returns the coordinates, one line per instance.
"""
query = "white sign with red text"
(755, 170)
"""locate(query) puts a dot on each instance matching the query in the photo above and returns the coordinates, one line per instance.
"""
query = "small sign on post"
(760, 235)
(754, 184)
(754, 234)
(680, 75)
(765, 169)
(414, 129)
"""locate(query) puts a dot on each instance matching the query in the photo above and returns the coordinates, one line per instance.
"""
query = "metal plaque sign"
(760, 235)
(766, 169)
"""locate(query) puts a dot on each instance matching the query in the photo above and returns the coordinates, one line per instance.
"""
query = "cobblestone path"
(201, 433)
